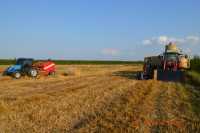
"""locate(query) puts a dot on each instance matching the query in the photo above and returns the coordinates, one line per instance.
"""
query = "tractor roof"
(25, 59)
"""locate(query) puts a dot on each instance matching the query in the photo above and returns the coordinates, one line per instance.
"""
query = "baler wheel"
(52, 74)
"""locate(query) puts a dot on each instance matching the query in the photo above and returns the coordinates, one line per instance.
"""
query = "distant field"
(97, 98)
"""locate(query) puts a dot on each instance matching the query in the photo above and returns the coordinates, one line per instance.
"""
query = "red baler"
(46, 67)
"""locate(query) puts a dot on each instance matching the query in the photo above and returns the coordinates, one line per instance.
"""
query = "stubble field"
(97, 98)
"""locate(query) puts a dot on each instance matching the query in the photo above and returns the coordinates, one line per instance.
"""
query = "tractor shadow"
(126, 74)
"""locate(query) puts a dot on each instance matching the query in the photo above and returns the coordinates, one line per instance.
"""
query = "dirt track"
(98, 99)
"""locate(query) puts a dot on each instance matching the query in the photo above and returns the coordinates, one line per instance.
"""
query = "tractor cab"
(170, 61)
(24, 62)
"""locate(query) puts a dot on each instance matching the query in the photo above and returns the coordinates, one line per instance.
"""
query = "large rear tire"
(33, 73)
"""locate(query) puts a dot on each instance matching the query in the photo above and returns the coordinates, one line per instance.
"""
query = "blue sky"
(97, 29)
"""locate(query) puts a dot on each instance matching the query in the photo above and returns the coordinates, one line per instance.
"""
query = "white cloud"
(147, 42)
(193, 39)
(110, 51)
(188, 50)
(163, 40)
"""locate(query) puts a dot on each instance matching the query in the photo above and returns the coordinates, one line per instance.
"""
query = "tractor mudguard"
(13, 69)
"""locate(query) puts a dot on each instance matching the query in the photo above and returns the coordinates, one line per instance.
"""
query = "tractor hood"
(13, 68)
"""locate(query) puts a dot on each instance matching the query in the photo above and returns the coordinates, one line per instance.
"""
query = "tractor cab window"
(171, 56)
(24, 62)
(19, 62)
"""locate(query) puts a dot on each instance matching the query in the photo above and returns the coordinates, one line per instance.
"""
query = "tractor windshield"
(24, 62)
(170, 56)
(20, 62)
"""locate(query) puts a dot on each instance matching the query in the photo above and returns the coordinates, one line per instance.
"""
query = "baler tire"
(52, 73)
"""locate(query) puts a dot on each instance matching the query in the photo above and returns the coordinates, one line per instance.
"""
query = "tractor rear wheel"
(17, 75)
(33, 73)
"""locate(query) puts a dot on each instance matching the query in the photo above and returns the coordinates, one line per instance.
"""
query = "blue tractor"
(23, 66)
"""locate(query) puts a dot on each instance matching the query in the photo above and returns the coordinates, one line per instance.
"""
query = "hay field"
(97, 98)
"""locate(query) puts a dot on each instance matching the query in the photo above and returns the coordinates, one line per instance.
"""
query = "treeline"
(78, 62)
(195, 63)
(7, 61)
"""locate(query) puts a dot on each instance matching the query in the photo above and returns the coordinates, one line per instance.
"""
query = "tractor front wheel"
(33, 73)
(17, 75)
